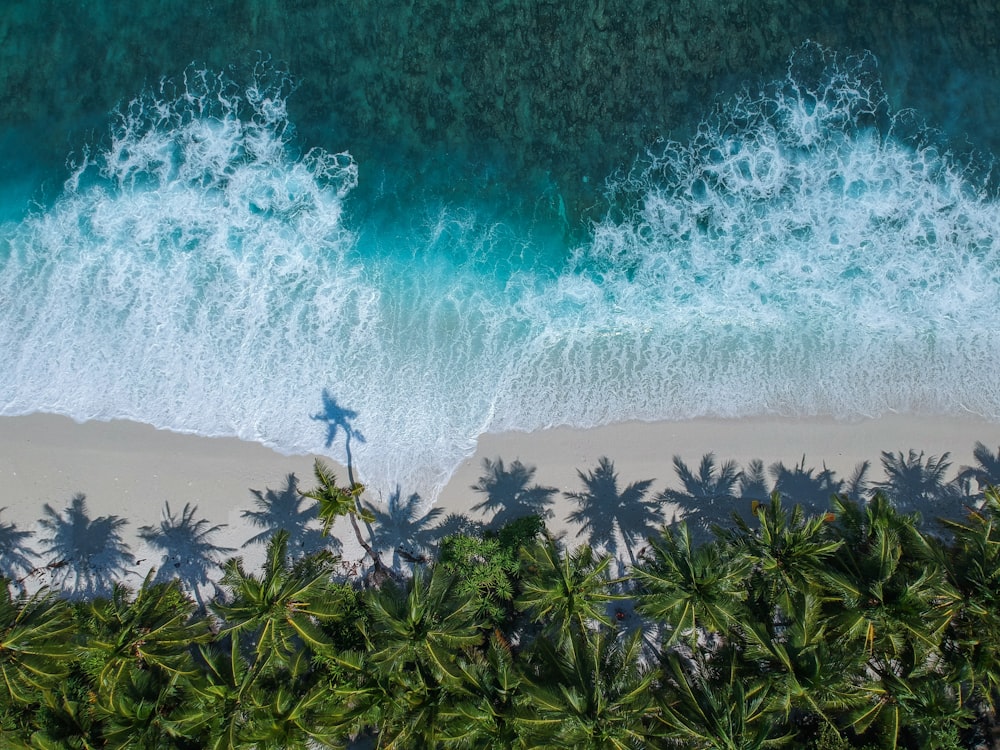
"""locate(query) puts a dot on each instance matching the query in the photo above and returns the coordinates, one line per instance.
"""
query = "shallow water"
(392, 231)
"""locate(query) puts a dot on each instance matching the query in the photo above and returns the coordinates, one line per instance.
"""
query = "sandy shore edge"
(130, 470)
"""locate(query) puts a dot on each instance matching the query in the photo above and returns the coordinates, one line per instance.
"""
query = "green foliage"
(853, 629)
(487, 566)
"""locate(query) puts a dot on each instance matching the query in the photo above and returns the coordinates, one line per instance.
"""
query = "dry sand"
(130, 470)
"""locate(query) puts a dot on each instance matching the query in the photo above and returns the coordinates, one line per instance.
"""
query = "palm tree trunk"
(380, 573)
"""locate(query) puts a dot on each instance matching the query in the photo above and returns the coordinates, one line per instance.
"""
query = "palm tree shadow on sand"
(510, 495)
(915, 483)
(611, 518)
(287, 510)
(187, 551)
(16, 556)
(404, 527)
(711, 494)
(85, 555)
(986, 472)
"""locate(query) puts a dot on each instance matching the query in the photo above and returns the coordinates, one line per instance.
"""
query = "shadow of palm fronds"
(610, 517)
(986, 472)
(85, 555)
(914, 483)
(16, 557)
(404, 527)
(187, 552)
(287, 510)
(710, 495)
(510, 494)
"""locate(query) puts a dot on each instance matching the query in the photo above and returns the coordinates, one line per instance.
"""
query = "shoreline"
(130, 470)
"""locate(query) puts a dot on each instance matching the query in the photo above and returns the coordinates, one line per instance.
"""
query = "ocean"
(378, 230)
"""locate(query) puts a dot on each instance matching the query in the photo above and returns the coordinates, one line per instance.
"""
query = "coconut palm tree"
(565, 591)
(85, 555)
(911, 704)
(484, 712)
(692, 589)
(811, 672)
(887, 580)
(972, 565)
(590, 690)
(510, 493)
(35, 645)
(188, 553)
(277, 614)
(335, 501)
(717, 702)
(151, 631)
(788, 551)
(418, 636)
(606, 514)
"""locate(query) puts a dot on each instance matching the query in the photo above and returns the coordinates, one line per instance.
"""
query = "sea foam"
(801, 255)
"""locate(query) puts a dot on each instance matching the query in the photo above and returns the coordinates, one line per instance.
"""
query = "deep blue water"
(268, 223)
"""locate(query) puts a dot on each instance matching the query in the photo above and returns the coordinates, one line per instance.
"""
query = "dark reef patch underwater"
(464, 217)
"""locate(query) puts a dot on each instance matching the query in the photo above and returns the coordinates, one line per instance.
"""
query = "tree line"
(850, 626)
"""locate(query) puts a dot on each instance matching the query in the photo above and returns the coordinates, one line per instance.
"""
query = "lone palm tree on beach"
(334, 501)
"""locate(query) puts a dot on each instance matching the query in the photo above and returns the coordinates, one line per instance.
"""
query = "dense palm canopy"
(857, 626)
(565, 591)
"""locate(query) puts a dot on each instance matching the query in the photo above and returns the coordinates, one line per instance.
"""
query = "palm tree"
(565, 591)
(972, 565)
(418, 637)
(911, 703)
(703, 491)
(15, 555)
(887, 579)
(510, 494)
(188, 554)
(335, 501)
(279, 613)
(811, 671)
(484, 712)
(35, 645)
(152, 631)
(85, 555)
(717, 704)
(424, 625)
(286, 510)
(607, 515)
(692, 589)
(788, 551)
(589, 691)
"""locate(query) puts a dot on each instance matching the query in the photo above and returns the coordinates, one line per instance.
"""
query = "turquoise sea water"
(425, 221)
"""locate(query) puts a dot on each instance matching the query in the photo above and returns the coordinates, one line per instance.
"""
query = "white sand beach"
(131, 470)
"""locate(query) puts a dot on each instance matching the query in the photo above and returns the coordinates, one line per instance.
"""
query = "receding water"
(807, 242)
